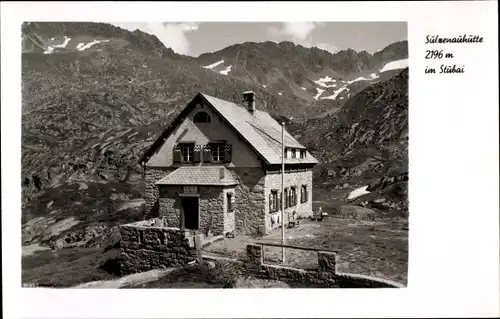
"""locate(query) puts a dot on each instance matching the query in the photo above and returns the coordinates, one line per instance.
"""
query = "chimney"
(222, 173)
(249, 99)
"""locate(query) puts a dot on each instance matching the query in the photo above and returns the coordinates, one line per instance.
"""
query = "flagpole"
(283, 190)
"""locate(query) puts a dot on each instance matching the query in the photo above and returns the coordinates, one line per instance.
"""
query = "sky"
(195, 38)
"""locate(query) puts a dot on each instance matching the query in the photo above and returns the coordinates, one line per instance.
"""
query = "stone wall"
(249, 205)
(296, 179)
(151, 193)
(326, 274)
(149, 245)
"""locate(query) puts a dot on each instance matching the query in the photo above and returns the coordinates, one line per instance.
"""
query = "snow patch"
(50, 48)
(264, 86)
(226, 71)
(64, 44)
(335, 94)
(82, 46)
(320, 91)
(374, 75)
(30, 249)
(303, 88)
(211, 66)
(394, 65)
(322, 82)
(134, 203)
(358, 192)
(280, 93)
(357, 79)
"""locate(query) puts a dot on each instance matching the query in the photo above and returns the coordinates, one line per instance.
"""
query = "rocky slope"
(96, 96)
(309, 73)
(93, 102)
(367, 138)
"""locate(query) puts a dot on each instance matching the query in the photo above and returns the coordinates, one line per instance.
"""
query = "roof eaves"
(235, 129)
(171, 126)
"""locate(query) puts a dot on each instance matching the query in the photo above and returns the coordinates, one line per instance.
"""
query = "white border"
(454, 241)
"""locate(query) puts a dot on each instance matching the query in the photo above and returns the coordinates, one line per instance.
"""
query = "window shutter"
(305, 194)
(227, 153)
(197, 154)
(279, 204)
(177, 154)
(207, 154)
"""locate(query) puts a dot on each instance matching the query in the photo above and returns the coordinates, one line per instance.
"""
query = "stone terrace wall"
(148, 245)
(326, 275)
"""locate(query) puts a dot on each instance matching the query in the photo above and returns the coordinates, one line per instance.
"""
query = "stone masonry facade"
(250, 200)
(210, 203)
(249, 206)
(151, 191)
(295, 179)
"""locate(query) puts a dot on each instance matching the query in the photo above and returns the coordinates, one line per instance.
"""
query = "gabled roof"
(199, 175)
(261, 132)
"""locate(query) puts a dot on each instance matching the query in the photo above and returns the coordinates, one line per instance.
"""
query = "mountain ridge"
(92, 104)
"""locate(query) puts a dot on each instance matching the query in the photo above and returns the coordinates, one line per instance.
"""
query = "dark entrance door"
(191, 214)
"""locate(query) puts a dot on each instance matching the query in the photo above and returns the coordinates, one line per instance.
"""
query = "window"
(287, 198)
(229, 202)
(302, 154)
(187, 152)
(293, 196)
(217, 152)
(201, 117)
(303, 194)
(273, 201)
(293, 153)
(286, 152)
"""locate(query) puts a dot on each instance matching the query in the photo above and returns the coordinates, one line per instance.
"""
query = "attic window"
(293, 153)
(201, 117)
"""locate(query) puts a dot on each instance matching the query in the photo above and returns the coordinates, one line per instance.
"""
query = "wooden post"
(197, 243)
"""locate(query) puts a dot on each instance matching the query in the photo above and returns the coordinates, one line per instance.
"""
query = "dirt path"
(133, 279)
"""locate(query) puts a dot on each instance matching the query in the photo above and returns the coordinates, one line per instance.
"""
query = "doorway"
(191, 216)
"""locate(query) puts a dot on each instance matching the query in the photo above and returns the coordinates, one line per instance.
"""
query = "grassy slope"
(67, 268)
